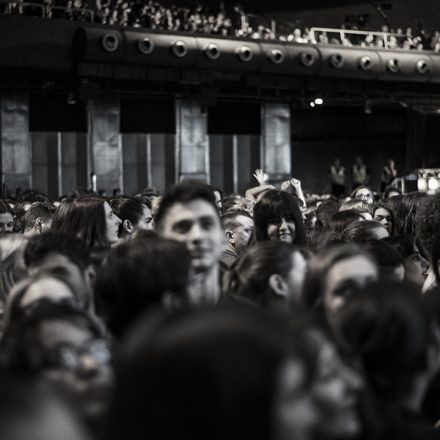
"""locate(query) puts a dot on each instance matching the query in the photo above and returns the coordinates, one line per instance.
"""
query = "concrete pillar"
(275, 153)
(15, 141)
(192, 142)
(105, 152)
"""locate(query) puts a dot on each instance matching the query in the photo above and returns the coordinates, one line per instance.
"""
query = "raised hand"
(261, 176)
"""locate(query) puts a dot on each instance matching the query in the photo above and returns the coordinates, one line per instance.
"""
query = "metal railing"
(344, 32)
(45, 11)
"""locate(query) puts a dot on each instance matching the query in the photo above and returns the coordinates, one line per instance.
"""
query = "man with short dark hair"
(188, 213)
(38, 218)
(238, 226)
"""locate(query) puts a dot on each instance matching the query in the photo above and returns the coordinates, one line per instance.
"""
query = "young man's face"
(197, 224)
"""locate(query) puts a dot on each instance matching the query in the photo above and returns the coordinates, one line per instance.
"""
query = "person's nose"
(88, 366)
(283, 225)
(352, 378)
(195, 233)
(118, 221)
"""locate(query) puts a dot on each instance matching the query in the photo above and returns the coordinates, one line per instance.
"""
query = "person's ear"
(39, 225)
(278, 285)
(128, 227)
(230, 236)
(90, 275)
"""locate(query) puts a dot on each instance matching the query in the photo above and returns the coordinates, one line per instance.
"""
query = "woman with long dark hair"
(91, 219)
(277, 216)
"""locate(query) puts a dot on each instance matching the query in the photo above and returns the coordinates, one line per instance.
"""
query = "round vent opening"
(366, 63)
(422, 67)
(110, 42)
(276, 56)
(212, 51)
(337, 61)
(245, 53)
(179, 49)
(307, 59)
(393, 65)
(145, 46)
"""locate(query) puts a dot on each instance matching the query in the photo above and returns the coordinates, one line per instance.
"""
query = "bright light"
(422, 185)
(433, 183)
(319, 101)
(312, 104)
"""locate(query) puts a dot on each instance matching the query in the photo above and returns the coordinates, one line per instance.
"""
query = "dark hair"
(326, 210)
(338, 223)
(435, 256)
(427, 222)
(5, 208)
(389, 190)
(21, 341)
(215, 189)
(184, 192)
(387, 258)
(387, 326)
(136, 276)
(203, 370)
(319, 266)
(43, 210)
(41, 246)
(127, 208)
(361, 232)
(405, 212)
(250, 276)
(85, 219)
(229, 218)
(403, 244)
(272, 206)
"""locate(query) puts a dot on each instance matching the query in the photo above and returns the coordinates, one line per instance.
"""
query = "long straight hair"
(85, 219)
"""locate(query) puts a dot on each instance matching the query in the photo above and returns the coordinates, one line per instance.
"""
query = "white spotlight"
(422, 184)
(312, 104)
(433, 183)
(319, 101)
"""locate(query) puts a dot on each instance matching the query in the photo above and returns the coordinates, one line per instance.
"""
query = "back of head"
(325, 211)
(84, 217)
(38, 210)
(30, 410)
(427, 222)
(183, 192)
(250, 277)
(389, 261)
(340, 221)
(137, 276)
(362, 232)
(41, 246)
(403, 244)
(200, 373)
(127, 208)
(387, 326)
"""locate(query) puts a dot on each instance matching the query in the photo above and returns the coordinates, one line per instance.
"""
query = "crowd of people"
(197, 314)
(219, 20)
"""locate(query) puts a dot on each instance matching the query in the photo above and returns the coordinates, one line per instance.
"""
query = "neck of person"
(204, 286)
(430, 280)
